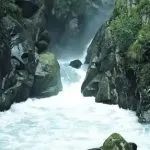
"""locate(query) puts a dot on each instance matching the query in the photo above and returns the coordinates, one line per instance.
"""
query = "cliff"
(119, 64)
(24, 52)
(29, 29)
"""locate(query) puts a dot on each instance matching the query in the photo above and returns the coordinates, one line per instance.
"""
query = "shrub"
(124, 29)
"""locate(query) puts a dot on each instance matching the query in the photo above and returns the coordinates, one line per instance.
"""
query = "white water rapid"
(67, 121)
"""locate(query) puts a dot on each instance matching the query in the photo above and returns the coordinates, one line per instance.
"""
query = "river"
(67, 121)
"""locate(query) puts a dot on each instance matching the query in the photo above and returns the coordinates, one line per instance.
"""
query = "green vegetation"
(138, 49)
(124, 29)
(120, 7)
(49, 63)
(8, 7)
(144, 7)
(130, 28)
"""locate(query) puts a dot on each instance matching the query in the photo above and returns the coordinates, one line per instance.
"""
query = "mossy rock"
(139, 50)
(47, 76)
(115, 142)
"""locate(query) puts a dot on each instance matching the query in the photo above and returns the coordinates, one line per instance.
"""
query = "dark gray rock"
(42, 46)
(44, 36)
(76, 64)
(29, 7)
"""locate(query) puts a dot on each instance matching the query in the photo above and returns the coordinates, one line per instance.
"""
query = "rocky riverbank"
(119, 59)
(29, 33)
(28, 68)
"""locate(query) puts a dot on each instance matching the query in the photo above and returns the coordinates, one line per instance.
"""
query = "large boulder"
(116, 142)
(47, 76)
(76, 64)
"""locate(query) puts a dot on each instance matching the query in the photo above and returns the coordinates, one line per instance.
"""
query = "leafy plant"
(125, 28)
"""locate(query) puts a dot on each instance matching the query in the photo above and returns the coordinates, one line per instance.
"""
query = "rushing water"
(67, 121)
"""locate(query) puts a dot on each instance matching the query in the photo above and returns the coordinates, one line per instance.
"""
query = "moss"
(50, 64)
(14, 11)
(47, 76)
(144, 34)
(138, 48)
(8, 7)
(135, 52)
(120, 7)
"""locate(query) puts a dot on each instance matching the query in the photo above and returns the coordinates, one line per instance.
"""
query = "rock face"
(26, 67)
(116, 142)
(119, 59)
(29, 7)
(76, 64)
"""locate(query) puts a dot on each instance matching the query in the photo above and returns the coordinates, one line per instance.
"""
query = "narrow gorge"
(74, 75)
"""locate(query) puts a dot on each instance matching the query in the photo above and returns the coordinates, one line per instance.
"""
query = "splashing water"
(67, 121)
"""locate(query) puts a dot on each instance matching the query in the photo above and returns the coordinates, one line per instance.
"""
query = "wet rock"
(42, 46)
(76, 64)
(90, 84)
(5, 101)
(116, 142)
(23, 86)
(29, 7)
(47, 76)
(18, 91)
(44, 36)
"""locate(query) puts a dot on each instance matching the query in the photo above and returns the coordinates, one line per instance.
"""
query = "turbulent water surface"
(67, 121)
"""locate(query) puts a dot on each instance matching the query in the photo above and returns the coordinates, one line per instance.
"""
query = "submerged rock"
(76, 64)
(47, 80)
(116, 142)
